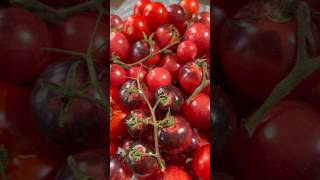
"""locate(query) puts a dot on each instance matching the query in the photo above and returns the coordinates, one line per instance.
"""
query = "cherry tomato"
(115, 21)
(190, 7)
(139, 7)
(157, 78)
(155, 14)
(137, 71)
(75, 32)
(171, 63)
(134, 27)
(200, 34)
(117, 75)
(142, 49)
(190, 76)
(203, 17)
(165, 35)
(137, 123)
(119, 45)
(197, 112)
(22, 39)
(187, 51)
(201, 162)
(112, 148)
(173, 173)
(118, 169)
(176, 14)
(173, 98)
(118, 124)
(272, 152)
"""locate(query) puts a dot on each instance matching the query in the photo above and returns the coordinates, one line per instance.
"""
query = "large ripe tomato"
(201, 162)
(284, 146)
(75, 32)
(22, 38)
(256, 53)
(84, 121)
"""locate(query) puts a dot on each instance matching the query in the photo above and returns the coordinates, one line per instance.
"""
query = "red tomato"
(275, 149)
(155, 14)
(112, 148)
(158, 77)
(201, 162)
(174, 173)
(75, 32)
(119, 45)
(200, 34)
(117, 124)
(171, 63)
(134, 27)
(117, 75)
(139, 7)
(190, 6)
(22, 39)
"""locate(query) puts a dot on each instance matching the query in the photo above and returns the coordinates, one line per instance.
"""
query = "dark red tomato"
(115, 21)
(155, 14)
(187, 51)
(118, 124)
(31, 166)
(196, 142)
(197, 113)
(178, 160)
(22, 39)
(177, 137)
(200, 34)
(114, 99)
(157, 78)
(181, 28)
(247, 59)
(75, 32)
(137, 72)
(119, 45)
(82, 116)
(112, 148)
(203, 17)
(91, 163)
(117, 75)
(139, 7)
(173, 173)
(165, 35)
(171, 63)
(176, 14)
(190, 7)
(142, 49)
(274, 150)
(201, 162)
(118, 169)
(190, 76)
(173, 98)
(134, 27)
(137, 123)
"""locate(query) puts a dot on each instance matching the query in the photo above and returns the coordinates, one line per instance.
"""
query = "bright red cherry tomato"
(134, 27)
(117, 75)
(165, 35)
(171, 63)
(203, 17)
(200, 34)
(190, 76)
(201, 162)
(135, 70)
(139, 7)
(117, 123)
(158, 77)
(119, 45)
(187, 51)
(22, 39)
(115, 21)
(155, 14)
(190, 6)
(174, 173)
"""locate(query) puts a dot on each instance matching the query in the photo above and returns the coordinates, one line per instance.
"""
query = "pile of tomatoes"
(160, 92)
(255, 49)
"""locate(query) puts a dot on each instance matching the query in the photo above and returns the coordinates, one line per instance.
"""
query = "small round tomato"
(139, 7)
(187, 51)
(171, 63)
(197, 112)
(201, 162)
(176, 14)
(119, 45)
(190, 7)
(118, 169)
(169, 97)
(137, 123)
(22, 39)
(137, 72)
(157, 78)
(117, 75)
(118, 124)
(190, 76)
(134, 27)
(203, 17)
(165, 35)
(155, 14)
(174, 173)
(115, 21)
(200, 34)
(142, 49)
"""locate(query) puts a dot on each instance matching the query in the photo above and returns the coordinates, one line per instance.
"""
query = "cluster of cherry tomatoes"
(260, 49)
(160, 92)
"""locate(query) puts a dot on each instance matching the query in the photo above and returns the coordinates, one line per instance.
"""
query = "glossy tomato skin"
(187, 51)
(157, 78)
(118, 124)
(176, 14)
(176, 138)
(137, 123)
(75, 32)
(142, 49)
(137, 72)
(174, 98)
(196, 142)
(165, 35)
(134, 27)
(173, 173)
(118, 169)
(197, 113)
(92, 163)
(190, 7)
(203, 17)
(200, 34)
(83, 116)
(119, 45)
(117, 75)
(201, 162)
(171, 63)
(155, 14)
(22, 38)
(270, 152)
(115, 21)
(139, 7)
(190, 76)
